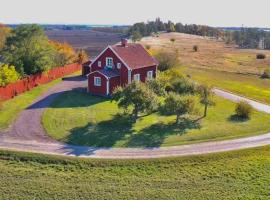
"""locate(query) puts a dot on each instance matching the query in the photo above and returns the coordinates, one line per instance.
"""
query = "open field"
(212, 54)
(231, 175)
(246, 85)
(79, 118)
(91, 41)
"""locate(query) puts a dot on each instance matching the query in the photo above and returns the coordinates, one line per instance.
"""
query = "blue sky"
(209, 12)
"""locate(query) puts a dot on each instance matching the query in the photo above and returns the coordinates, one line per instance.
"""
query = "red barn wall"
(100, 90)
(114, 82)
(143, 72)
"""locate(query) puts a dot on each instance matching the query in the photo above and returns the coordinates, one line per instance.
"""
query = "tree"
(137, 95)
(64, 55)
(167, 60)
(195, 48)
(82, 57)
(4, 33)
(179, 105)
(182, 85)
(8, 75)
(136, 36)
(206, 97)
(157, 86)
(28, 49)
(266, 73)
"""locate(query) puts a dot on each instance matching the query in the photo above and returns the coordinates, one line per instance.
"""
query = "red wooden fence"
(32, 81)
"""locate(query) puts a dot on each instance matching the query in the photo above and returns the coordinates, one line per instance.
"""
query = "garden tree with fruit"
(8, 75)
(64, 55)
(179, 105)
(137, 95)
(206, 97)
(28, 49)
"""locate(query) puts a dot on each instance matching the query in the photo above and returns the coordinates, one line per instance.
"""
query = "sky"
(126, 12)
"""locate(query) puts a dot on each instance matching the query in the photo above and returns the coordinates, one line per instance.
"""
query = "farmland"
(91, 41)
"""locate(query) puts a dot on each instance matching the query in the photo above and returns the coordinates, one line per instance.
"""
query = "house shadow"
(104, 134)
(75, 78)
(77, 97)
(154, 135)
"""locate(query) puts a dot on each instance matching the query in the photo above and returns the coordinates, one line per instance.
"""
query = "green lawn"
(79, 118)
(11, 108)
(248, 85)
(232, 175)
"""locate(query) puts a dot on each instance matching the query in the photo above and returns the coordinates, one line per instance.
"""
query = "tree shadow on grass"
(103, 134)
(237, 119)
(154, 135)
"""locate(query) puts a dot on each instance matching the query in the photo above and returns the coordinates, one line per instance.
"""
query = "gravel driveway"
(27, 133)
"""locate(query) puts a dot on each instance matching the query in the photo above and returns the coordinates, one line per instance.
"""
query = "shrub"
(148, 47)
(243, 110)
(195, 48)
(167, 60)
(8, 75)
(261, 56)
(266, 73)
(172, 40)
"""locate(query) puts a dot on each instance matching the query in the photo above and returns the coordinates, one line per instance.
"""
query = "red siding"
(143, 72)
(99, 90)
(102, 58)
(114, 82)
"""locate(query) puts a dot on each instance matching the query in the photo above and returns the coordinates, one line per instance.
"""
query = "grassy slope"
(231, 175)
(214, 58)
(79, 118)
(247, 85)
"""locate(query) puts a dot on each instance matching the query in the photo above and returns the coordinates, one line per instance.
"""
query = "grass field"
(232, 175)
(79, 118)
(246, 85)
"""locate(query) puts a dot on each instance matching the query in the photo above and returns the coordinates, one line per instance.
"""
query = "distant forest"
(243, 37)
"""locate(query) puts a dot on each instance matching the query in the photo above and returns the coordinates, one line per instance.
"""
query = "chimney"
(124, 42)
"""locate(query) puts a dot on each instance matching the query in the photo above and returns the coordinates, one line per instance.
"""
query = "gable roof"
(109, 73)
(134, 55)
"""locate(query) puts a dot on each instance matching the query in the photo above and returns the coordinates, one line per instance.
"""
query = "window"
(97, 81)
(118, 65)
(99, 63)
(150, 75)
(109, 62)
(137, 77)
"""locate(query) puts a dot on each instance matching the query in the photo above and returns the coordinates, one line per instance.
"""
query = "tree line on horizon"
(244, 38)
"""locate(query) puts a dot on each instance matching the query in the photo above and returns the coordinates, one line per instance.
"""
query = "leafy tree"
(243, 110)
(157, 86)
(136, 36)
(82, 57)
(206, 97)
(179, 105)
(182, 85)
(266, 73)
(28, 49)
(136, 95)
(8, 75)
(4, 33)
(64, 55)
(167, 60)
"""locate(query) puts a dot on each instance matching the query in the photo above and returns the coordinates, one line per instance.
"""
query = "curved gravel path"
(27, 133)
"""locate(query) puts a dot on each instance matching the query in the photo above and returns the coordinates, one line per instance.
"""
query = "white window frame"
(97, 81)
(137, 77)
(150, 75)
(99, 63)
(118, 65)
(109, 62)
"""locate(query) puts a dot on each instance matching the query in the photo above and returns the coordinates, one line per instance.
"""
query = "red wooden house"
(119, 65)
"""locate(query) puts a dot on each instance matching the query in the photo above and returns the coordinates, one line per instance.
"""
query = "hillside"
(212, 54)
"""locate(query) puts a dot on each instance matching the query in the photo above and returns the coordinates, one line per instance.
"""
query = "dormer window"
(99, 63)
(109, 62)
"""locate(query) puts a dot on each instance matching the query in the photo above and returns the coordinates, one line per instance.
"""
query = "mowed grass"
(11, 108)
(81, 119)
(247, 85)
(231, 175)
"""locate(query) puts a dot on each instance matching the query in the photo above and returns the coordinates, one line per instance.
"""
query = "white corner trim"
(108, 87)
